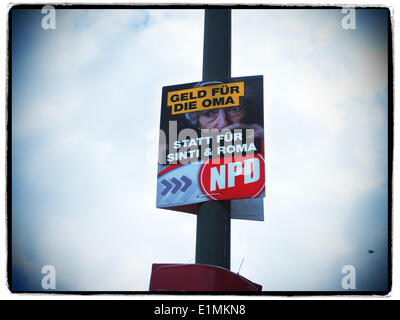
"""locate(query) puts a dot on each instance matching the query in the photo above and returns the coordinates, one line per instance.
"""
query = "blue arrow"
(187, 182)
(177, 185)
(167, 185)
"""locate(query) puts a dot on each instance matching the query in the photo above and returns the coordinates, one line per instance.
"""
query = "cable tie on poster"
(211, 194)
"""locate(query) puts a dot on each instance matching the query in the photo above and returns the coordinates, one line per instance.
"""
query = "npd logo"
(233, 177)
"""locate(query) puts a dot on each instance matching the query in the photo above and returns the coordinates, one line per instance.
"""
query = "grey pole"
(213, 235)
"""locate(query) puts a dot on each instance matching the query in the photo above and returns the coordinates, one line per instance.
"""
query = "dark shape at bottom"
(198, 277)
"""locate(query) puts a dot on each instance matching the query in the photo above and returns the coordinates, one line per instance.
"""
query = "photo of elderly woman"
(248, 116)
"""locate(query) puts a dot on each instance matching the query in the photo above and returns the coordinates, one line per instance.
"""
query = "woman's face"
(220, 118)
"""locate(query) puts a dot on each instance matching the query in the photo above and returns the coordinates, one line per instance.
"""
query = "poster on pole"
(211, 146)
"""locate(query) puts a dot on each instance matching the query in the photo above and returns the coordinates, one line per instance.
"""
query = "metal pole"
(213, 236)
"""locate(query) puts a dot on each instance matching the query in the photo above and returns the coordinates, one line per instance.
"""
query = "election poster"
(211, 146)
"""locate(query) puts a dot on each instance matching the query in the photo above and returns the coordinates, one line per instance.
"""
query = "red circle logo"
(233, 177)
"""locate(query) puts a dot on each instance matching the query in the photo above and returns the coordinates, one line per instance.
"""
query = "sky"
(85, 109)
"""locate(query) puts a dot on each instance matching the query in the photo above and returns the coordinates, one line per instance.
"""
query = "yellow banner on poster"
(205, 98)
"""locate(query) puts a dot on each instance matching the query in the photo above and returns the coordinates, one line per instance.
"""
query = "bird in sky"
(370, 251)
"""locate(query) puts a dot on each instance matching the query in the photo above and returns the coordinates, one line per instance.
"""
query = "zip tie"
(211, 194)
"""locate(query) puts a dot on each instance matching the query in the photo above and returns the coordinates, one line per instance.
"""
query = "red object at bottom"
(197, 277)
